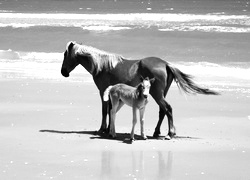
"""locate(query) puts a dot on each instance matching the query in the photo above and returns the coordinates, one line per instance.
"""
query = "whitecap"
(104, 28)
(164, 21)
(9, 55)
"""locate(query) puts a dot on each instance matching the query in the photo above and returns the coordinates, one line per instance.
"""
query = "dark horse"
(109, 69)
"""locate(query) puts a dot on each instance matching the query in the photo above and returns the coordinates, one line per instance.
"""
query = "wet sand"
(48, 131)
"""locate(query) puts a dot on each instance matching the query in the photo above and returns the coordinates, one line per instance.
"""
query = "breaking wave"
(111, 22)
(41, 65)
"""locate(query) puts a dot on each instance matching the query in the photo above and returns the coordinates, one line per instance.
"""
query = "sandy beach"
(48, 131)
(49, 124)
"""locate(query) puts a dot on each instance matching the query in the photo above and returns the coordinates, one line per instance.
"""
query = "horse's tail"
(185, 83)
(106, 94)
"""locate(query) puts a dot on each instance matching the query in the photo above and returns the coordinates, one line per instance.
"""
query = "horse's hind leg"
(169, 112)
(158, 126)
(165, 109)
(159, 92)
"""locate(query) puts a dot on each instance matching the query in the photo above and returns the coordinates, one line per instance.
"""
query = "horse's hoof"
(102, 131)
(156, 134)
(167, 137)
(171, 134)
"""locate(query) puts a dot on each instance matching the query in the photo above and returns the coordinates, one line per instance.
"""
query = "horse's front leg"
(142, 123)
(103, 127)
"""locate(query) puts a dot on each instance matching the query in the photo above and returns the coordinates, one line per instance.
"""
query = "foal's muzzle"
(64, 72)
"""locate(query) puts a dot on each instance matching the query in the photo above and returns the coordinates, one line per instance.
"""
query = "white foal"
(136, 97)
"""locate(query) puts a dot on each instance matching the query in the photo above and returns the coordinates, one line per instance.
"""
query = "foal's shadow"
(122, 137)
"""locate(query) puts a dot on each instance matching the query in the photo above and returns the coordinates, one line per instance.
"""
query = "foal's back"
(124, 93)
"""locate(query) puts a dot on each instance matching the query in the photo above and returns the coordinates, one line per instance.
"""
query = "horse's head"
(144, 87)
(70, 60)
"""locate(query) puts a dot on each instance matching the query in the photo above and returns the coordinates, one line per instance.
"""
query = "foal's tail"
(106, 94)
(185, 83)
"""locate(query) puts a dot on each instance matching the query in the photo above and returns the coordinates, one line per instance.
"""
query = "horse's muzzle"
(64, 72)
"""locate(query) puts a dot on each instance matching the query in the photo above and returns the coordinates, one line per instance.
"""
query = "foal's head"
(144, 87)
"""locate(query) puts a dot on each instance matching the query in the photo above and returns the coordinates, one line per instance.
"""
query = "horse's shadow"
(122, 137)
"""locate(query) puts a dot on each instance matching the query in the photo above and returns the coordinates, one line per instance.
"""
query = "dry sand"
(47, 131)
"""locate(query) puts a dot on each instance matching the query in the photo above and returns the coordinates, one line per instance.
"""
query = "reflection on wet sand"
(136, 164)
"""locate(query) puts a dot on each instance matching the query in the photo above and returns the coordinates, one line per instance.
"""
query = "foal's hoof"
(144, 138)
(132, 140)
(112, 136)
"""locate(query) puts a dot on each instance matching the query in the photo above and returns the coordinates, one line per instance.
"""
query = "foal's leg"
(113, 111)
(142, 123)
(116, 106)
(119, 106)
(134, 123)
(112, 124)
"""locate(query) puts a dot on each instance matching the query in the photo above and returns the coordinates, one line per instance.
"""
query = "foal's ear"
(139, 89)
(139, 86)
(152, 80)
(141, 78)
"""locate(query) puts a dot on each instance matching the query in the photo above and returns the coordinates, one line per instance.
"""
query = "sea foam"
(42, 65)
(109, 22)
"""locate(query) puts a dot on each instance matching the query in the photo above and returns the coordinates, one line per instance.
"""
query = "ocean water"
(207, 39)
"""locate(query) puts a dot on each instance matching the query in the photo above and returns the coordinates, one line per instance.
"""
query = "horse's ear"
(70, 46)
(141, 78)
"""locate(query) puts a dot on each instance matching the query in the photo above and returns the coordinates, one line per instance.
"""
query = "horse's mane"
(101, 59)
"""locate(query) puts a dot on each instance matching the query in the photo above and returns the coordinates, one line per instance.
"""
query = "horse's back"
(154, 67)
(153, 62)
